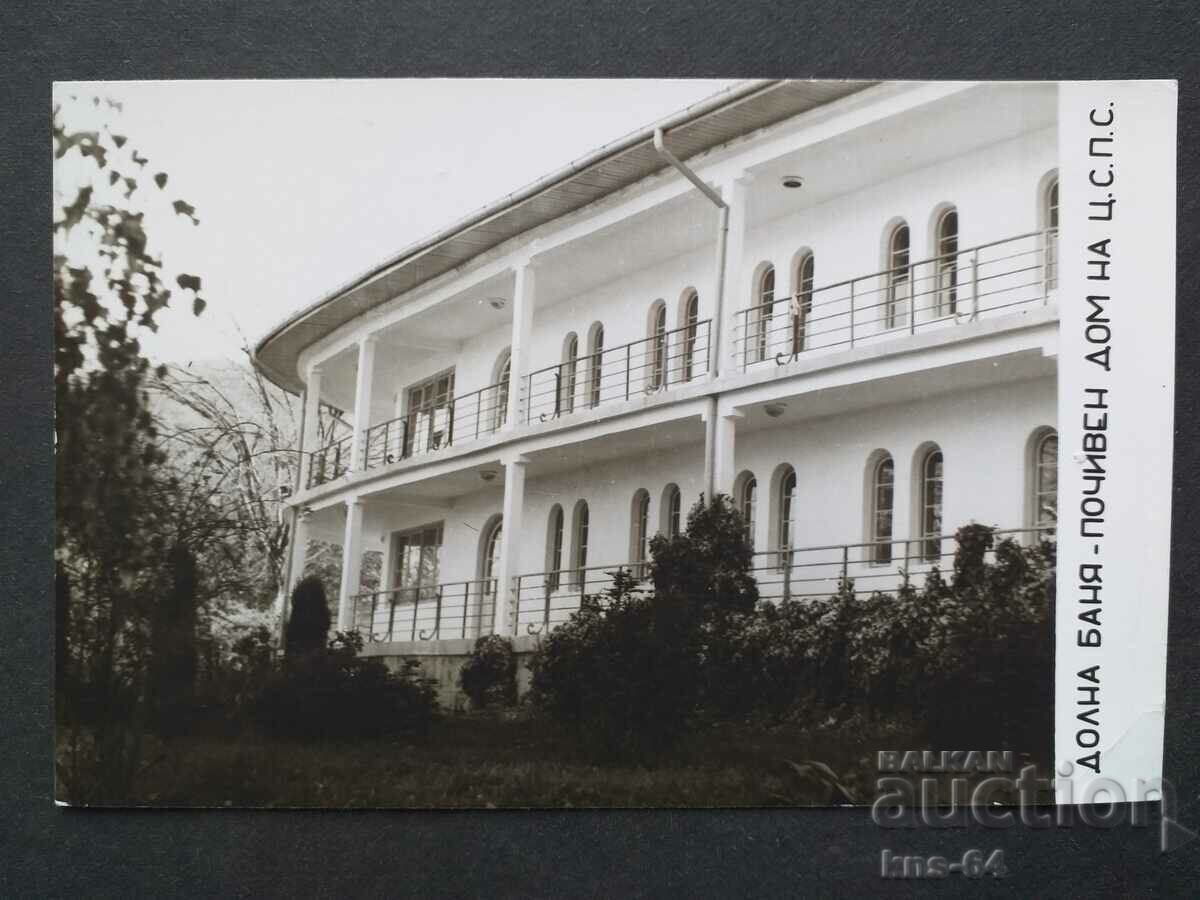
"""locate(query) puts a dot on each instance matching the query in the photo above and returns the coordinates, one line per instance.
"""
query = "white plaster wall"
(994, 188)
(982, 434)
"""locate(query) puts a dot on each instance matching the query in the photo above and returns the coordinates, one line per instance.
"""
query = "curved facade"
(532, 394)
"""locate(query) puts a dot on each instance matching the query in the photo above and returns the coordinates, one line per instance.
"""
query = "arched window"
(785, 514)
(1050, 224)
(947, 263)
(931, 505)
(883, 485)
(569, 375)
(579, 531)
(764, 307)
(691, 320)
(554, 549)
(1044, 481)
(898, 275)
(489, 561)
(658, 345)
(802, 302)
(502, 382)
(672, 510)
(747, 501)
(595, 364)
(639, 528)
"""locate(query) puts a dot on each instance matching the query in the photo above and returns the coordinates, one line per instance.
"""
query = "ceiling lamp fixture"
(487, 474)
(774, 410)
(497, 302)
(792, 181)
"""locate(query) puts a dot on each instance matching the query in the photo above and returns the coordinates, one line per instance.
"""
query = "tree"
(308, 626)
(112, 527)
(172, 682)
(239, 432)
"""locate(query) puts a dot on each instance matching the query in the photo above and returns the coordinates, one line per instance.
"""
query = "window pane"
(749, 504)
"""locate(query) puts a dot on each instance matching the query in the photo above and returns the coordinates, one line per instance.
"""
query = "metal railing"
(638, 368)
(329, 462)
(463, 418)
(461, 609)
(873, 566)
(543, 600)
(941, 291)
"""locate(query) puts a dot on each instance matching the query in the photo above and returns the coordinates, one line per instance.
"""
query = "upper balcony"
(954, 290)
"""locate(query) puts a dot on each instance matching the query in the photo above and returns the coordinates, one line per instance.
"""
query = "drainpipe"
(714, 366)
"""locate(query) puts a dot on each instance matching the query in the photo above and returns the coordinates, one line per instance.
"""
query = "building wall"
(994, 189)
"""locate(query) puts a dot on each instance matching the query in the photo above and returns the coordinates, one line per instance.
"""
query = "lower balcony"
(543, 600)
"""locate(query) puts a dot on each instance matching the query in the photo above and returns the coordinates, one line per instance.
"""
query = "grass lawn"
(487, 760)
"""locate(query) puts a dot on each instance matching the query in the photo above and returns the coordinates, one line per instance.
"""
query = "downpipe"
(714, 364)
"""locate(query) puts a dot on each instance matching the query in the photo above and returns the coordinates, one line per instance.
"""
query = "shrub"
(335, 694)
(620, 673)
(308, 625)
(971, 658)
(708, 564)
(489, 676)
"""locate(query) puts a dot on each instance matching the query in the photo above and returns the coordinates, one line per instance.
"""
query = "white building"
(864, 362)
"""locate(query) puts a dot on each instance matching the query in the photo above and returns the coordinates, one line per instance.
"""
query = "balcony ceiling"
(701, 127)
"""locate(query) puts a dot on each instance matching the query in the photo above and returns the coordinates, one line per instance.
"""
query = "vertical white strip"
(1114, 524)
(351, 563)
(510, 547)
(364, 382)
(522, 324)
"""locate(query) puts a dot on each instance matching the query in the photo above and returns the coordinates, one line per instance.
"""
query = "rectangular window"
(416, 564)
(428, 422)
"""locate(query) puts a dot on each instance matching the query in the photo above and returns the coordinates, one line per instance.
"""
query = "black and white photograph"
(488, 444)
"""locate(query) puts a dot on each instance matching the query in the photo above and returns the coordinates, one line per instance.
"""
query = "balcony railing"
(805, 572)
(638, 368)
(939, 292)
(463, 418)
(461, 609)
(330, 462)
(544, 600)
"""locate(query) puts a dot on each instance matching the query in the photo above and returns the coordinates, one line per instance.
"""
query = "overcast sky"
(299, 186)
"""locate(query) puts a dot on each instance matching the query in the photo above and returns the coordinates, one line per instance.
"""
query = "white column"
(736, 287)
(726, 468)
(298, 554)
(510, 546)
(311, 432)
(296, 558)
(351, 562)
(362, 402)
(522, 324)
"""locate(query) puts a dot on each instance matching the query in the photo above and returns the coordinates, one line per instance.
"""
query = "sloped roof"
(711, 122)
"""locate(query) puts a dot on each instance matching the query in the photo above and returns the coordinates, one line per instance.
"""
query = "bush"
(970, 658)
(708, 564)
(335, 694)
(621, 673)
(308, 625)
(489, 676)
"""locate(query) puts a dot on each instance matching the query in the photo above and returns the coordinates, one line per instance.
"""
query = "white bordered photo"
(611, 443)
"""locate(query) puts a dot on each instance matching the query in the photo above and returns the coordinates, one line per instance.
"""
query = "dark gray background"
(45, 851)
